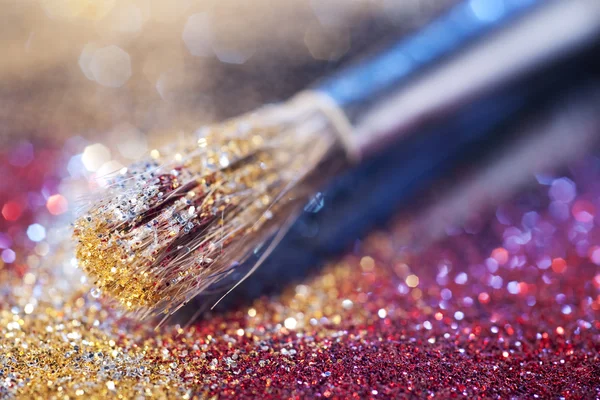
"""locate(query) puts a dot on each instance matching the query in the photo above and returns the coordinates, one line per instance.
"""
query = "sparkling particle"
(57, 204)
(36, 232)
(559, 265)
(111, 66)
(513, 287)
(446, 294)
(483, 297)
(461, 278)
(11, 211)
(382, 313)
(85, 59)
(583, 211)
(367, 263)
(290, 323)
(9, 256)
(75, 167)
(412, 281)
(29, 278)
(563, 190)
(94, 156)
(594, 254)
(500, 255)
(198, 35)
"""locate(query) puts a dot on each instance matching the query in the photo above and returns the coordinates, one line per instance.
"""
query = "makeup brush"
(172, 226)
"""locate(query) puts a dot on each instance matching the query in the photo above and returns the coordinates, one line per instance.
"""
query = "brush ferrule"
(429, 74)
(335, 116)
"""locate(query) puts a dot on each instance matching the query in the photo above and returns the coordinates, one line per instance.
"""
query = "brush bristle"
(175, 224)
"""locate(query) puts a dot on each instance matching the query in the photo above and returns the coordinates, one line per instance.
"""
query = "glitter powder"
(540, 341)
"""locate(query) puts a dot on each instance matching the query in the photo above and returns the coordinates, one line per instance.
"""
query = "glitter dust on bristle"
(169, 227)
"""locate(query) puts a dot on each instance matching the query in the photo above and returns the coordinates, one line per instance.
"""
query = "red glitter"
(11, 211)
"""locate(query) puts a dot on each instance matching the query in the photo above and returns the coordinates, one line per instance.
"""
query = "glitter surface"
(511, 310)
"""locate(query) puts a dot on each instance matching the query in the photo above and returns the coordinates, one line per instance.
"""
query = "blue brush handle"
(368, 80)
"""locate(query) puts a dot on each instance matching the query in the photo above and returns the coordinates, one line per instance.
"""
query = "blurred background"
(88, 86)
(142, 69)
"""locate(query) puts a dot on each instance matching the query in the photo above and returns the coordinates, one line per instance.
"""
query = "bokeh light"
(110, 66)
(12, 210)
(36, 232)
(94, 156)
(57, 204)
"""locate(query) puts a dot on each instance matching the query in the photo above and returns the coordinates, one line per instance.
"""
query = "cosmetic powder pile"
(507, 307)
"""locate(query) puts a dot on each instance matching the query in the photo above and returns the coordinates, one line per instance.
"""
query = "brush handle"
(476, 46)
